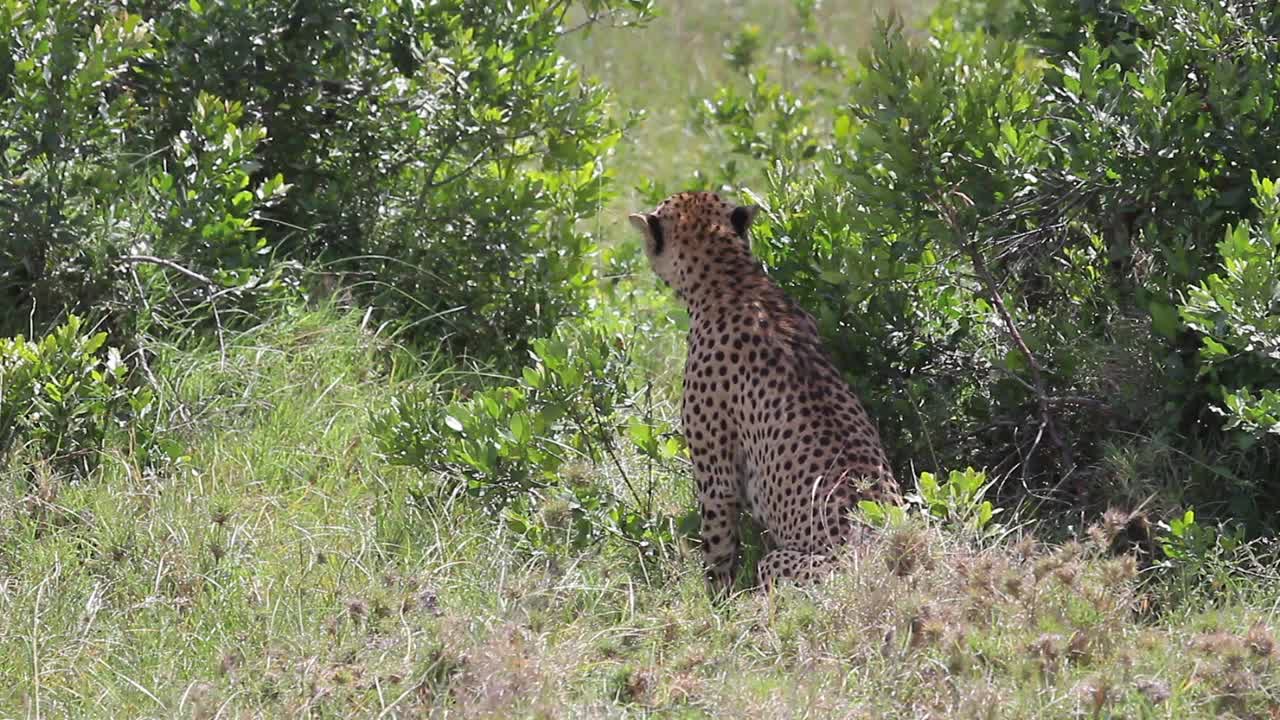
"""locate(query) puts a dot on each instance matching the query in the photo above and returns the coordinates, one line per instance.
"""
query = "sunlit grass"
(666, 70)
(280, 567)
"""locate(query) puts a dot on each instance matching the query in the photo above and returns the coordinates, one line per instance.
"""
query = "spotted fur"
(772, 428)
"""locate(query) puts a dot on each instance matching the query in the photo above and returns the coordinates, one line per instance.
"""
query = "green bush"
(64, 169)
(63, 398)
(1236, 311)
(570, 452)
(102, 214)
(176, 168)
(957, 501)
(438, 157)
(1010, 232)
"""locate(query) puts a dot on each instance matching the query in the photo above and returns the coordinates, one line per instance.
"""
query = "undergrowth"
(278, 564)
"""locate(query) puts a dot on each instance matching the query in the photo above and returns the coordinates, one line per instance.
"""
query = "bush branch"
(162, 262)
(1048, 425)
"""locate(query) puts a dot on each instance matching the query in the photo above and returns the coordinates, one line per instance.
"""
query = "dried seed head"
(1120, 571)
(230, 663)
(1260, 641)
(906, 551)
(357, 609)
(1046, 565)
(1048, 650)
(1156, 691)
(1095, 693)
(1067, 574)
(1025, 547)
(1016, 585)
(1219, 643)
(1078, 647)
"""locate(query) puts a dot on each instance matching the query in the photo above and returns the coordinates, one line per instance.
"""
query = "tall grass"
(278, 567)
(664, 71)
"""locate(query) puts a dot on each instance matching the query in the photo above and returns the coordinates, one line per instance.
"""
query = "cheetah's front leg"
(720, 505)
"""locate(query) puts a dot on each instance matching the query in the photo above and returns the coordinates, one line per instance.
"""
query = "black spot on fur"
(740, 217)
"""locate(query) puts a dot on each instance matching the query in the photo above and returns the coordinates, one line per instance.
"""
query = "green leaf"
(873, 510)
(1164, 319)
(642, 434)
(985, 512)
(532, 377)
(571, 376)
(1213, 349)
(841, 127)
(1010, 134)
(172, 449)
(93, 343)
(928, 485)
(491, 405)
(520, 428)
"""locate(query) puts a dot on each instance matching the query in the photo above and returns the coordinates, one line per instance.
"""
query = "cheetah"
(772, 428)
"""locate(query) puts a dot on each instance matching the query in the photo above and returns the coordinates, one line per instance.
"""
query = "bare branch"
(592, 19)
(153, 260)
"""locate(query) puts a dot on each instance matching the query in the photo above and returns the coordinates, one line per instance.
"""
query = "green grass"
(669, 67)
(281, 568)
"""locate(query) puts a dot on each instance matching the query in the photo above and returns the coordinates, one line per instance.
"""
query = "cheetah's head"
(683, 229)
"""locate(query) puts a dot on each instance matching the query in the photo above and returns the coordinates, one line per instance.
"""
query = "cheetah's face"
(677, 230)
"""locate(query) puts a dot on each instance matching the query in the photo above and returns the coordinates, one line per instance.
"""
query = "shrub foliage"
(1042, 239)
(1040, 236)
(439, 155)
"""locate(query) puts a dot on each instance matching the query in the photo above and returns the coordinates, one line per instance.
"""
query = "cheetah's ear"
(640, 221)
(651, 228)
(741, 218)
